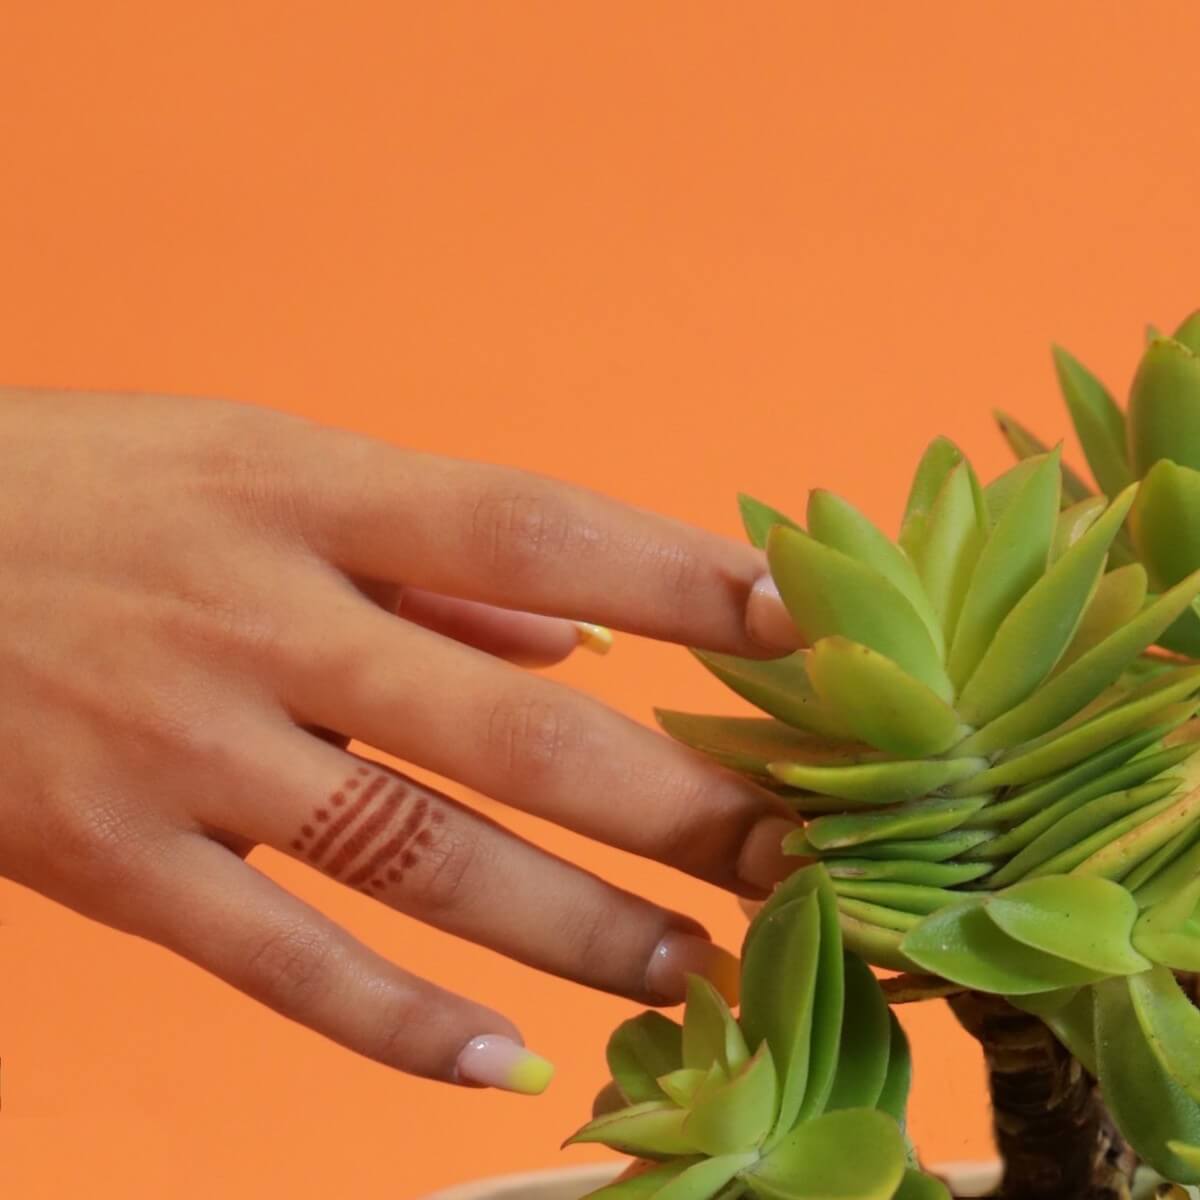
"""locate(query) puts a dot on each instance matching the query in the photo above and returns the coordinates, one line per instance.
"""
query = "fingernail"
(595, 638)
(499, 1062)
(768, 621)
(762, 862)
(679, 955)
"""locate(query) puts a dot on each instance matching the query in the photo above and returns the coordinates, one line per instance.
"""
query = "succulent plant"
(1157, 440)
(801, 1097)
(998, 785)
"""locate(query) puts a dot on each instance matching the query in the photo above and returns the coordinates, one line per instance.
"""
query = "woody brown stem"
(1053, 1131)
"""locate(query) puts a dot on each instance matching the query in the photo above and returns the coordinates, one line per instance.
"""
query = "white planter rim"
(570, 1183)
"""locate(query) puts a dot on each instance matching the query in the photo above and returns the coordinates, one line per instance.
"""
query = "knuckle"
(514, 530)
(291, 966)
(528, 735)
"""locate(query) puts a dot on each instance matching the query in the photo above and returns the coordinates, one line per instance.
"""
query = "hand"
(201, 603)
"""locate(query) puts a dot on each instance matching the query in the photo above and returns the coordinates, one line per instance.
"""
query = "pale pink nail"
(762, 862)
(679, 955)
(767, 620)
(497, 1061)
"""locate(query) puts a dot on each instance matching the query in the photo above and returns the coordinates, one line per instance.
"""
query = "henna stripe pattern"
(397, 814)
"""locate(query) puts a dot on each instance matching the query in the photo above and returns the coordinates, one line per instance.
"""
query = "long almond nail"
(762, 862)
(768, 621)
(596, 638)
(679, 955)
(496, 1061)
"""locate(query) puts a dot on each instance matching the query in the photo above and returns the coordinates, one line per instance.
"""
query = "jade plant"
(1000, 804)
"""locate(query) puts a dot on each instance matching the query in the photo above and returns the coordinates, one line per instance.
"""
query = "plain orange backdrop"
(669, 250)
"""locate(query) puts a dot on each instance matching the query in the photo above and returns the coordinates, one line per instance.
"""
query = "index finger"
(513, 538)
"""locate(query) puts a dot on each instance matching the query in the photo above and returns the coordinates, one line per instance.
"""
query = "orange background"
(669, 250)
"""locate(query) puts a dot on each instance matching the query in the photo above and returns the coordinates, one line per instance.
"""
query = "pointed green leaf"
(1012, 559)
(880, 915)
(1083, 920)
(1041, 624)
(681, 1086)
(828, 592)
(939, 459)
(881, 782)
(1165, 523)
(1025, 445)
(893, 1097)
(651, 1130)
(778, 686)
(866, 1041)
(852, 1154)
(838, 524)
(1145, 873)
(1167, 885)
(759, 518)
(937, 848)
(1164, 407)
(1132, 845)
(644, 1186)
(951, 538)
(640, 1050)
(1188, 333)
(748, 744)
(923, 873)
(874, 943)
(710, 1034)
(735, 1116)
(1098, 422)
(1171, 1023)
(705, 1179)
(1073, 523)
(879, 701)
(961, 943)
(1119, 597)
(918, 819)
(905, 897)
(1150, 1109)
(1075, 1026)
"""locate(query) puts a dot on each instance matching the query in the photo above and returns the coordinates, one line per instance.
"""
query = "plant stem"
(1053, 1131)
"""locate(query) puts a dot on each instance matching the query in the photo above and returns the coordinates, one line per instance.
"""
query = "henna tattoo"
(352, 839)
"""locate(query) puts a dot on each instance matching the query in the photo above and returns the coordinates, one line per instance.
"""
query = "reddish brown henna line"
(332, 832)
(393, 845)
(367, 831)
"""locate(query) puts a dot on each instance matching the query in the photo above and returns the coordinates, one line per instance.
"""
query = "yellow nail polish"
(496, 1061)
(596, 638)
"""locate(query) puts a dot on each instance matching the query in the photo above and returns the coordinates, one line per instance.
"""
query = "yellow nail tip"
(531, 1075)
(596, 638)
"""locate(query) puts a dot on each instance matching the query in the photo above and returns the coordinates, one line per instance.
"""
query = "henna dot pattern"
(371, 838)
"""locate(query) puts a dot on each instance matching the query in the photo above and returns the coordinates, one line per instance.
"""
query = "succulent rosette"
(1000, 788)
(1157, 441)
(800, 1097)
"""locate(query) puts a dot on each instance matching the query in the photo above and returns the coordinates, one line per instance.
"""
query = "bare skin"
(201, 602)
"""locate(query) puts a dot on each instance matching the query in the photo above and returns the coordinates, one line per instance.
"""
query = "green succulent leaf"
(937, 848)
(1025, 445)
(682, 1085)
(962, 943)
(1188, 333)
(1150, 1108)
(869, 784)
(653, 1129)
(644, 1186)
(1040, 625)
(926, 818)
(916, 1185)
(904, 897)
(759, 519)
(705, 1179)
(828, 592)
(893, 1096)
(1075, 1026)
(642, 1049)
(1171, 1023)
(950, 542)
(710, 1033)
(1073, 523)
(748, 744)
(852, 1154)
(1164, 407)
(866, 1041)
(864, 936)
(1084, 920)
(838, 524)
(738, 1113)
(879, 702)
(778, 686)
(940, 458)
(1165, 522)
(1119, 597)
(915, 871)
(1098, 421)
(1012, 559)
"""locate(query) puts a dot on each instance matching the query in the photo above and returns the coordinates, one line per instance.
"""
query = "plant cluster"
(1001, 800)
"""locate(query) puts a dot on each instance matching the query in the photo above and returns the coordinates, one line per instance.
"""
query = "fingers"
(524, 541)
(531, 743)
(230, 919)
(526, 639)
(424, 854)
